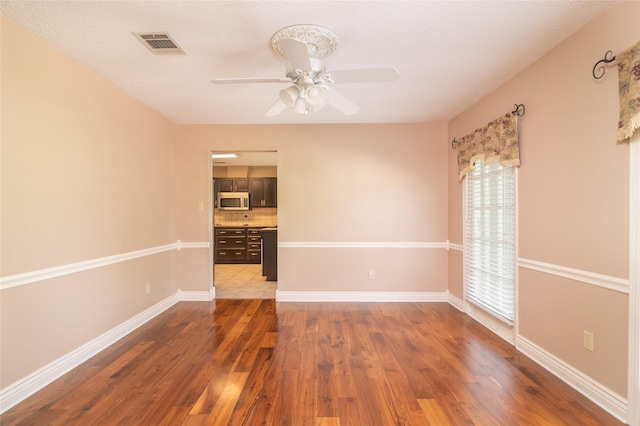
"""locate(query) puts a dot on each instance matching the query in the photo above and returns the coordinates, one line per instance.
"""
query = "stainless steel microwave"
(233, 200)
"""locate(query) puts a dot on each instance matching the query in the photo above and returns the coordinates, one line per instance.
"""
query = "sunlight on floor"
(243, 281)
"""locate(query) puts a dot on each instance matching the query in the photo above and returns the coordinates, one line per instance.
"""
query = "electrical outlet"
(372, 274)
(588, 340)
(201, 206)
(148, 288)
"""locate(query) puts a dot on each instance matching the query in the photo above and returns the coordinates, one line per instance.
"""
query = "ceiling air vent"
(159, 43)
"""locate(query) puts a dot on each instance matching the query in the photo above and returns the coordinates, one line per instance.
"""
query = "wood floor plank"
(328, 421)
(252, 389)
(225, 405)
(250, 362)
(433, 412)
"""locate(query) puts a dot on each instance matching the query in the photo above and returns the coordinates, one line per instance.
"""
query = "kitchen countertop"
(220, 225)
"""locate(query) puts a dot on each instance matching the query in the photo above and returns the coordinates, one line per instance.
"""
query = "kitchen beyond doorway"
(236, 243)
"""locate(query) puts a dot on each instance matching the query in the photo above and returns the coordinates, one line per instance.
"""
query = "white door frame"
(212, 276)
(633, 397)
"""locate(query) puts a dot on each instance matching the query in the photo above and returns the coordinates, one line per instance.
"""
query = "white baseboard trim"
(197, 296)
(351, 244)
(455, 301)
(610, 401)
(359, 296)
(498, 327)
(612, 283)
(35, 381)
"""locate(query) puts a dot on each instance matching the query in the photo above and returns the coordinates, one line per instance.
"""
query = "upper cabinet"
(270, 192)
(232, 184)
(263, 192)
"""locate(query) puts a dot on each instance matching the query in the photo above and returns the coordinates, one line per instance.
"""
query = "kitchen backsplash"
(255, 217)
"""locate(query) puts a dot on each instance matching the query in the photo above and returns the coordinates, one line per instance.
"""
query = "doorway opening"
(241, 236)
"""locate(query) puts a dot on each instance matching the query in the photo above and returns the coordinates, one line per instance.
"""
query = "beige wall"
(336, 183)
(573, 195)
(87, 172)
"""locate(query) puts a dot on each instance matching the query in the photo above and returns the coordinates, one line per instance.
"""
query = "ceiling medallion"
(321, 41)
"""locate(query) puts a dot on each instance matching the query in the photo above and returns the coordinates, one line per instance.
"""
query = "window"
(490, 258)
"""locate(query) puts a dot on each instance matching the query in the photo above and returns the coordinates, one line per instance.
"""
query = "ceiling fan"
(310, 83)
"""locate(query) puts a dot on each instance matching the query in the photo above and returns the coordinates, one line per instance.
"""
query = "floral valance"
(629, 87)
(497, 142)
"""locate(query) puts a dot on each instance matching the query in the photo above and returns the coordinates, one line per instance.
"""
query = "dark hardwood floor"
(251, 362)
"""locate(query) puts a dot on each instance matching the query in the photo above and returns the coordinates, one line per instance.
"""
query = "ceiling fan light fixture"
(315, 94)
(289, 96)
(317, 106)
(300, 106)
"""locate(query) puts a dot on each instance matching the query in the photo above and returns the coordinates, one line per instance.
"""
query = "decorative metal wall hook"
(518, 109)
(454, 143)
(601, 70)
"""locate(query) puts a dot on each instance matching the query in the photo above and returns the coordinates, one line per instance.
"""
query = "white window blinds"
(490, 259)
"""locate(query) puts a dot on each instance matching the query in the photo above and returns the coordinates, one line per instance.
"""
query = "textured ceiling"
(449, 53)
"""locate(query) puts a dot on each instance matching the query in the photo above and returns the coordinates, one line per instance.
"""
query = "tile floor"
(243, 281)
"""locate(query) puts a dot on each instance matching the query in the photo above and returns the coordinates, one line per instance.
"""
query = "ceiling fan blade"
(249, 80)
(365, 75)
(297, 53)
(341, 102)
(276, 109)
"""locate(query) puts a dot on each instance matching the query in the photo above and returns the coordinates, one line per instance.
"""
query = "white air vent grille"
(159, 43)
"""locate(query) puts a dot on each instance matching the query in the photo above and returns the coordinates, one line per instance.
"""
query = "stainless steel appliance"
(233, 200)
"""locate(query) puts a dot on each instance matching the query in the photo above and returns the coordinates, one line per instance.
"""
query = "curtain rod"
(603, 61)
(518, 110)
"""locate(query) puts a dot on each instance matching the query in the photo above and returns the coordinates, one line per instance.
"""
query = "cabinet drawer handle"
(222, 242)
(222, 253)
(238, 253)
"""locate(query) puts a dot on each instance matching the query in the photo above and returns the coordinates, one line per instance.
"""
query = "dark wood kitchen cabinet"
(214, 184)
(228, 185)
(231, 245)
(237, 245)
(254, 245)
(263, 192)
(270, 253)
(232, 184)
(270, 192)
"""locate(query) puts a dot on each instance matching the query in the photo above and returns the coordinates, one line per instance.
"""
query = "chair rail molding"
(25, 278)
(612, 283)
